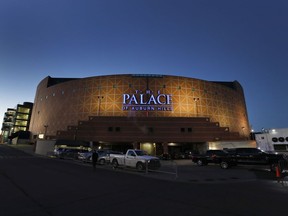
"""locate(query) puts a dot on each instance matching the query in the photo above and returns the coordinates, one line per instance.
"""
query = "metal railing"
(168, 167)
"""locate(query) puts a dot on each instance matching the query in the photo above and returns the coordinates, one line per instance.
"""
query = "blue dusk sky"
(214, 40)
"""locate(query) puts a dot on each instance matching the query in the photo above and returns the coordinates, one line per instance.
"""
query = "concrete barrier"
(45, 147)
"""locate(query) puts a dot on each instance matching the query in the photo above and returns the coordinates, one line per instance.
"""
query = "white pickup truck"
(135, 158)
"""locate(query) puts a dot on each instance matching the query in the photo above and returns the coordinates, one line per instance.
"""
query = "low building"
(16, 123)
(8, 124)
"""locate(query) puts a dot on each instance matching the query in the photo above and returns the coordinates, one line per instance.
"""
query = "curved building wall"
(60, 103)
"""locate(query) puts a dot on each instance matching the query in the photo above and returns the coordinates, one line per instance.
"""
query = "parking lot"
(38, 185)
(184, 170)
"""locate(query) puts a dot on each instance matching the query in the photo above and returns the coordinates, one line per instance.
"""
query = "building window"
(110, 129)
(117, 129)
(23, 110)
(190, 130)
(182, 130)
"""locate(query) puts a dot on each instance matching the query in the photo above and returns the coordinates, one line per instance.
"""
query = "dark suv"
(254, 156)
(214, 156)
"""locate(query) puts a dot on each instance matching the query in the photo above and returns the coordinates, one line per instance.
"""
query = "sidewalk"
(30, 149)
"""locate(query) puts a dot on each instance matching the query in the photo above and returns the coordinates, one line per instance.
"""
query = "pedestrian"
(94, 159)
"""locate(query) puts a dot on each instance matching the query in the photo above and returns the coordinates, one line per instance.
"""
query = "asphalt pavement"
(36, 185)
(186, 171)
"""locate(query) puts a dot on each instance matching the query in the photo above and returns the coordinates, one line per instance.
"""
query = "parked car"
(178, 155)
(215, 157)
(66, 153)
(135, 158)
(189, 153)
(165, 156)
(85, 156)
(254, 156)
(103, 156)
(58, 152)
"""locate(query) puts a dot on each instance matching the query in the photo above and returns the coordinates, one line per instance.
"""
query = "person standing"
(94, 159)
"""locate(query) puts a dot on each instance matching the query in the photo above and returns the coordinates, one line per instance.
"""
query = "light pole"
(196, 106)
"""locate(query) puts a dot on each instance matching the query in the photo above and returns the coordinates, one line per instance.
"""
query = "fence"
(168, 167)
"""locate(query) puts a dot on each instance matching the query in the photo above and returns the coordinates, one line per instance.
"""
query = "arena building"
(158, 113)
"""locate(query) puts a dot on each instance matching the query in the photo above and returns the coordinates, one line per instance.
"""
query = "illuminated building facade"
(147, 111)
(16, 121)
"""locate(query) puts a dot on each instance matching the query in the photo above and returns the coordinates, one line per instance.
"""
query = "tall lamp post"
(196, 105)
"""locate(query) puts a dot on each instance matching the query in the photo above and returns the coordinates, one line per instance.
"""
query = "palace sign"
(147, 101)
